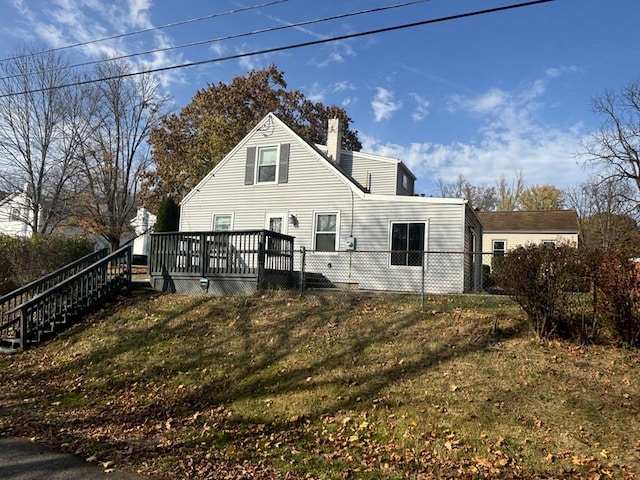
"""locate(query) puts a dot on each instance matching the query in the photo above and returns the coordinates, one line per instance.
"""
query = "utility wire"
(146, 30)
(228, 37)
(289, 47)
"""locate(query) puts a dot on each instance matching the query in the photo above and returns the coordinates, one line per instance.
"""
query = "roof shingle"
(530, 221)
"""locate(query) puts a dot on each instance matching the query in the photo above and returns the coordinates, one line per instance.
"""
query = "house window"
(405, 181)
(407, 243)
(222, 223)
(267, 164)
(15, 215)
(325, 233)
(549, 243)
(499, 248)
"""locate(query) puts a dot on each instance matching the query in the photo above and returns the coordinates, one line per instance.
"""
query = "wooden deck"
(220, 263)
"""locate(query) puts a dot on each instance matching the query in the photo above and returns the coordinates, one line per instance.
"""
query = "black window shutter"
(283, 172)
(249, 171)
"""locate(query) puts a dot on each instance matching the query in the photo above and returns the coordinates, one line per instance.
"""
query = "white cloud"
(383, 104)
(421, 109)
(510, 138)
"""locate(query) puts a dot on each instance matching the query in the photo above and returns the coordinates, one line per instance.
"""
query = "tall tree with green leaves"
(187, 145)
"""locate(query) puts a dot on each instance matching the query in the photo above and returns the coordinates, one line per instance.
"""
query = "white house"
(16, 215)
(339, 204)
(142, 225)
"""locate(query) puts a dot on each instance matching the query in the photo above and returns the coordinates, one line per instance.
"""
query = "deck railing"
(26, 322)
(232, 253)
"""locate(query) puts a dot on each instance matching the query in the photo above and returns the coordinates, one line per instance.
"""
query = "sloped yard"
(326, 386)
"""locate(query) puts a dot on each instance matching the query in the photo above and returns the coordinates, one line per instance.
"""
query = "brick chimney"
(334, 139)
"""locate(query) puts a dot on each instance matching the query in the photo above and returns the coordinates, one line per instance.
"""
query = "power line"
(290, 47)
(146, 30)
(228, 37)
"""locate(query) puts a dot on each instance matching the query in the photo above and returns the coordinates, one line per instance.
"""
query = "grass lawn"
(343, 385)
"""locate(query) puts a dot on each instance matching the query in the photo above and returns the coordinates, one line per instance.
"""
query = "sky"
(481, 96)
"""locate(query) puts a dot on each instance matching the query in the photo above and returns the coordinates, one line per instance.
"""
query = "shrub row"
(588, 295)
(23, 260)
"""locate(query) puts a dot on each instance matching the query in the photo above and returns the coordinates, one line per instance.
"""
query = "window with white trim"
(222, 222)
(499, 248)
(549, 243)
(326, 227)
(267, 165)
(15, 215)
(407, 243)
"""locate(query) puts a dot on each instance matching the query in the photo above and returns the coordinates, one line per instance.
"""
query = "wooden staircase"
(37, 311)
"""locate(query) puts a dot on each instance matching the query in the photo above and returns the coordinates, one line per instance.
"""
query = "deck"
(221, 263)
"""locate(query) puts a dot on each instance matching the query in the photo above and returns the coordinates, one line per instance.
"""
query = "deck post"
(203, 254)
(23, 329)
(261, 258)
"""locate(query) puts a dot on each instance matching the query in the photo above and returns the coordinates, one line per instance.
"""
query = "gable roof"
(313, 149)
(530, 221)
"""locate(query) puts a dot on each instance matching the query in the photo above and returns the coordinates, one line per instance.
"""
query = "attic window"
(405, 181)
(267, 164)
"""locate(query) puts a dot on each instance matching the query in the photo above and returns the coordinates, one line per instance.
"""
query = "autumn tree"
(39, 138)
(187, 145)
(122, 109)
(542, 197)
(616, 145)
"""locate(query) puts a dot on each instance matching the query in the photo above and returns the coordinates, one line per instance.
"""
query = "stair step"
(9, 351)
(9, 345)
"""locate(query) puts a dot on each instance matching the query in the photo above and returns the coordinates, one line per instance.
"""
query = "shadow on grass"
(344, 349)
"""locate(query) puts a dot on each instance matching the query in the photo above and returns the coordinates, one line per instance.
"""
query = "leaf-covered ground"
(326, 386)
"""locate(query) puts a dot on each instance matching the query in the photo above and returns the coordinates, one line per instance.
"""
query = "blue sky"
(482, 96)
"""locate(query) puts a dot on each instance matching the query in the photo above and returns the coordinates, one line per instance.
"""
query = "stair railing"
(12, 299)
(68, 299)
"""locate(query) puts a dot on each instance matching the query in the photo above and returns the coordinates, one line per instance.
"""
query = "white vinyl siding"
(314, 187)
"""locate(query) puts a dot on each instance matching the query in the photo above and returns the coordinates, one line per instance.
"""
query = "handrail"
(81, 289)
(88, 259)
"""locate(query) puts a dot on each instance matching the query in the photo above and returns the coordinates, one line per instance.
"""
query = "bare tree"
(481, 197)
(616, 145)
(510, 194)
(122, 111)
(38, 141)
(606, 210)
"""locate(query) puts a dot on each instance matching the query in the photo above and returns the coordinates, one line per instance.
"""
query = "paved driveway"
(21, 459)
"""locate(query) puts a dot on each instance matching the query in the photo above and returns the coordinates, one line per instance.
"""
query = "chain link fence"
(422, 272)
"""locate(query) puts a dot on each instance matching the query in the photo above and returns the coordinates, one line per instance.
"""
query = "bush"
(27, 259)
(617, 296)
(540, 279)
(587, 295)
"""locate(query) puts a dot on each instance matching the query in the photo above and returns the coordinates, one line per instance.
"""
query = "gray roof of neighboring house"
(530, 221)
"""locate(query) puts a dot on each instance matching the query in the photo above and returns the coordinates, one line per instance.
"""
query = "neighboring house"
(142, 225)
(337, 204)
(504, 231)
(16, 215)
